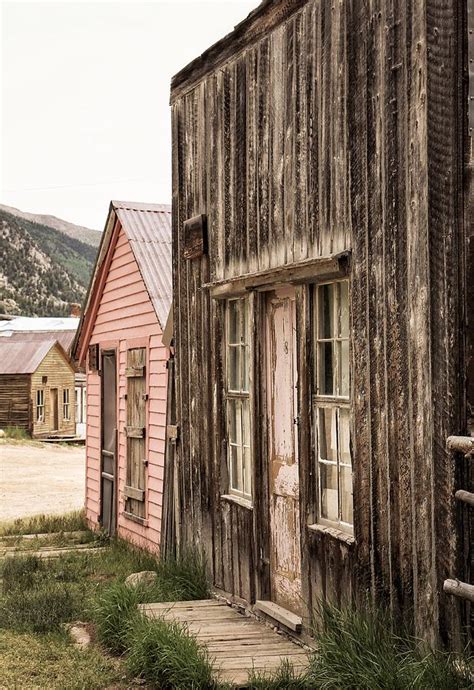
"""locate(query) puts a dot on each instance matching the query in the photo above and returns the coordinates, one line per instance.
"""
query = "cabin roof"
(258, 23)
(65, 338)
(148, 230)
(23, 357)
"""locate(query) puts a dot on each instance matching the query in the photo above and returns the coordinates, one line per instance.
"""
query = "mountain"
(78, 232)
(44, 268)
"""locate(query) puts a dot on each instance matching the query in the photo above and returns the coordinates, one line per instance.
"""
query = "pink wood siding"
(125, 319)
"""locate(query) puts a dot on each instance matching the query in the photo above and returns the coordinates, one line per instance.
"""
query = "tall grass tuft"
(185, 576)
(113, 610)
(284, 677)
(361, 650)
(165, 655)
(16, 433)
(42, 524)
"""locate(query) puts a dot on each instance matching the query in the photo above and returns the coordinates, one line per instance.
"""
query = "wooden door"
(134, 490)
(108, 502)
(285, 553)
(54, 409)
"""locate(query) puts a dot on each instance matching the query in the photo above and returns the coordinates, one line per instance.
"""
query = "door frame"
(54, 417)
(114, 521)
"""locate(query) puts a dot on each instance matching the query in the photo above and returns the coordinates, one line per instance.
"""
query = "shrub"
(40, 609)
(360, 649)
(164, 654)
(16, 433)
(284, 677)
(184, 577)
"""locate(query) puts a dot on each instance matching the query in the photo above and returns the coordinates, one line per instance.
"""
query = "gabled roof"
(65, 338)
(148, 230)
(20, 357)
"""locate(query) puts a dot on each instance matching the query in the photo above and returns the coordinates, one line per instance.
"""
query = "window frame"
(40, 417)
(335, 400)
(66, 405)
(239, 398)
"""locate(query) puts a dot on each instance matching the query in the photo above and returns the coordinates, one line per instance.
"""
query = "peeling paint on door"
(285, 559)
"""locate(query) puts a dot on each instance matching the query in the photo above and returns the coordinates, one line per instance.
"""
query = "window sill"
(244, 502)
(135, 518)
(333, 532)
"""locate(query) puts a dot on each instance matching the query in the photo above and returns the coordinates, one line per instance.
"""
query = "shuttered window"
(331, 404)
(238, 397)
(134, 490)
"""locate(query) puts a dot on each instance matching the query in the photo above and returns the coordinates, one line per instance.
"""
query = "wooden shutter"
(135, 430)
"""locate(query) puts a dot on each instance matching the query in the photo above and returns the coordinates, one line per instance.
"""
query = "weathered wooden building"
(37, 387)
(119, 340)
(320, 315)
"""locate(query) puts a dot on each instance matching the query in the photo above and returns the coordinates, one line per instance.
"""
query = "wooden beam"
(459, 589)
(131, 372)
(135, 432)
(460, 444)
(132, 492)
(465, 497)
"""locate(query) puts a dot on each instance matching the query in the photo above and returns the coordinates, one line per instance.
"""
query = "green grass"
(285, 677)
(165, 655)
(49, 661)
(16, 433)
(42, 524)
(361, 650)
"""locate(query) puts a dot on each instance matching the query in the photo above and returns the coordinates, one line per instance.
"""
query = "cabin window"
(66, 405)
(331, 404)
(238, 397)
(40, 405)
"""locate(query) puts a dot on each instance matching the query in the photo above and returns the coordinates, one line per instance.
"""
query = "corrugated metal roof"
(148, 229)
(20, 357)
(65, 338)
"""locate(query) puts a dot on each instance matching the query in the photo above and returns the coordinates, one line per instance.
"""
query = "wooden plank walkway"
(236, 643)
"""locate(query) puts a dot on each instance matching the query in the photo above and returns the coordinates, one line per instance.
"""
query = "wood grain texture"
(328, 128)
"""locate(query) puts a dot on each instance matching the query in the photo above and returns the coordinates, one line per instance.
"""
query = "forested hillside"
(42, 270)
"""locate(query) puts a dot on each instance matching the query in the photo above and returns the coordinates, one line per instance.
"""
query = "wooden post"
(459, 589)
(465, 496)
(460, 444)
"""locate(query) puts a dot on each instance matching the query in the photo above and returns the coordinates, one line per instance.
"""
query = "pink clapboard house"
(120, 342)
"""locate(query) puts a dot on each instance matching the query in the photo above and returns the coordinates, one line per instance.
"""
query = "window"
(78, 406)
(40, 405)
(66, 406)
(238, 398)
(331, 404)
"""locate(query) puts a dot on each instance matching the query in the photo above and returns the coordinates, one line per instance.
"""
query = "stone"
(145, 577)
(2, 433)
(79, 634)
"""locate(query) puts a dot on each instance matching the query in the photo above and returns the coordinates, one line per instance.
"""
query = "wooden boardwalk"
(236, 643)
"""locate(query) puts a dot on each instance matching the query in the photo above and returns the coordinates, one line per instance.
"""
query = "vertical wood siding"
(338, 130)
(126, 314)
(15, 401)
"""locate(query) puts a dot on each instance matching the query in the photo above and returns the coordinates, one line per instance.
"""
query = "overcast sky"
(84, 98)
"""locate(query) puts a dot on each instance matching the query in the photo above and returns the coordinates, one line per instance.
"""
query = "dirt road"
(40, 479)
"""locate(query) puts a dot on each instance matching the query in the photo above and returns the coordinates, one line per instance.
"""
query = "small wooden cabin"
(36, 388)
(319, 272)
(119, 340)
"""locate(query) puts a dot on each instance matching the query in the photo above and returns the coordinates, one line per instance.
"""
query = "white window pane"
(232, 416)
(245, 320)
(326, 368)
(344, 309)
(346, 494)
(343, 348)
(344, 436)
(233, 467)
(327, 434)
(326, 311)
(234, 319)
(329, 501)
(245, 368)
(234, 368)
(247, 471)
